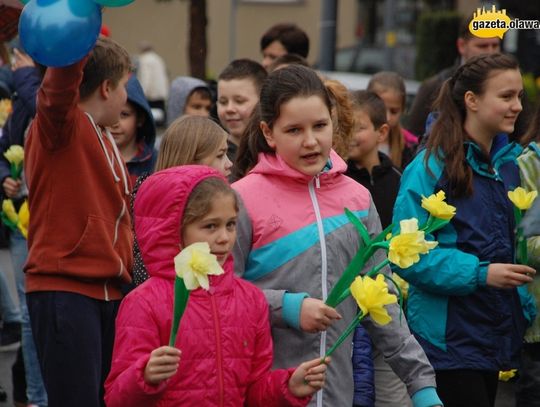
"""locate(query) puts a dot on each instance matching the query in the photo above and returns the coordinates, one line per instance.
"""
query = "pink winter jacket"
(224, 333)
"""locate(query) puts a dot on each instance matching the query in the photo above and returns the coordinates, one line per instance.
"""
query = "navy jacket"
(144, 161)
(460, 321)
(26, 82)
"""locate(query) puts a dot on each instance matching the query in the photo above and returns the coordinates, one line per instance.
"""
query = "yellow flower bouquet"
(193, 265)
(522, 201)
(404, 249)
(15, 220)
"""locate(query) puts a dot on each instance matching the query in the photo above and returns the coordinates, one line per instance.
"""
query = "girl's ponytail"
(252, 143)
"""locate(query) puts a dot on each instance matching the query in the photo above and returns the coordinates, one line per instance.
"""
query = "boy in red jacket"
(80, 240)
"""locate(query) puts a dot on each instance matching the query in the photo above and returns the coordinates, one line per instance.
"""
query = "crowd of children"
(109, 214)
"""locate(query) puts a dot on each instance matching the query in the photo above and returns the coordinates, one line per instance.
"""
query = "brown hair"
(292, 37)
(244, 68)
(370, 103)
(280, 87)
(189, 140)
(447, 134)
(382, 82)
(200, 200)
(108, 61)
(342, 117)
(533, 131)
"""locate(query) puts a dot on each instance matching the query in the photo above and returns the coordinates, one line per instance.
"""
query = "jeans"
(35, 389)
(9, 312)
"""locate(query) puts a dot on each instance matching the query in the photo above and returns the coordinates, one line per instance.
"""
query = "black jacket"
(382, 183)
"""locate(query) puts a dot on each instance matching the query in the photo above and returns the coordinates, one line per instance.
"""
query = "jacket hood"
(158, 211)
(273, 164)
(135, 95)
(181, 88)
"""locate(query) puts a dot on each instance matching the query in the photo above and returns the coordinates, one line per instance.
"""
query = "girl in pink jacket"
(223, 351)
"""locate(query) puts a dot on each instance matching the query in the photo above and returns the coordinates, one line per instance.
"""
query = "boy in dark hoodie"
(135, 132)
(366, 164)
(375, 171)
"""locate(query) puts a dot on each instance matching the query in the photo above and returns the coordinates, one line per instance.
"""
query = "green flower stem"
(434, 224)
(378, 268)
(7, 222)
(344, 335)
(15, 170)
(181, 296)
(521, 243)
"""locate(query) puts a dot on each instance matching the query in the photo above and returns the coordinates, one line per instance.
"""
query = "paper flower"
(13, 219)
(15, 156)
(24, 219)
(371, 296)
(9, 210)
(521, 198)
(506, 375)
(194, 263)
(437, 207)
(5, 111)
(405, 248)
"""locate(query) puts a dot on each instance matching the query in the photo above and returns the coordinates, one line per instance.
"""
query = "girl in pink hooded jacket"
(223, 352)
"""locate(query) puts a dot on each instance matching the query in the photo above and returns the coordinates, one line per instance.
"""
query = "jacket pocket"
(94, 256)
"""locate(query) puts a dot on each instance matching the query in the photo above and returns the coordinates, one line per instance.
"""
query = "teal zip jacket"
(460, 321)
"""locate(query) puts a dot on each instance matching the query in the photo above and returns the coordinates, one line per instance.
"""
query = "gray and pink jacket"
(294, 240)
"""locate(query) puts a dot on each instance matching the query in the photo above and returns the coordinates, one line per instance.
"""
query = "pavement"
(505, 395)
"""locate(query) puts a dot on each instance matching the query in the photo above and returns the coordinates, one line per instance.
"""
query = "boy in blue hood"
(135, 133)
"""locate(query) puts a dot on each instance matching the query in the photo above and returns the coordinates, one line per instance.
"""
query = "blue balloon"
(59, 32)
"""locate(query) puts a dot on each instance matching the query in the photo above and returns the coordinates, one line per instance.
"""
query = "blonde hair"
(391, 81)
(342, 116)
(189, 140)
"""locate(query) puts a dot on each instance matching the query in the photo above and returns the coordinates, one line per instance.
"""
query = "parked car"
(372, 59)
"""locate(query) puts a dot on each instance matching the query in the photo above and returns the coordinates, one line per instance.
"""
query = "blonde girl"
(188, 140)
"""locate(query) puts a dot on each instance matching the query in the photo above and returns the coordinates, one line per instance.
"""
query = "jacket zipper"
(324, 265)
(218, 350)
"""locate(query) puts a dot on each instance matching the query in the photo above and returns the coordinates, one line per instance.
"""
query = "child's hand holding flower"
(308, 378)
(162, 365)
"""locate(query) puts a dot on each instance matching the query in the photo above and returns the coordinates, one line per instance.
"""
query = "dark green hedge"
(436, 35)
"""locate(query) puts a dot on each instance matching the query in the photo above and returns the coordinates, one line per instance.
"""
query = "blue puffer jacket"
(460, 321)
(363, 371)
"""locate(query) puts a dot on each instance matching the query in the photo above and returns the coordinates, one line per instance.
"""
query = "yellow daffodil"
(506, 375)
(9, 210)
(437, 207)
(194, 263)
(521, 198)
(403, 285)
(405, 249)
(371, 296)
(15, 154)
(5, 111)
(24, 219)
